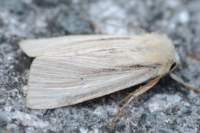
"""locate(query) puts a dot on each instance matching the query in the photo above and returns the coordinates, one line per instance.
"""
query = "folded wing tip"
(30, 104)
(26, 47)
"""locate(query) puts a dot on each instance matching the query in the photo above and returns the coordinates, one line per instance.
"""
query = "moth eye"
(173, 66)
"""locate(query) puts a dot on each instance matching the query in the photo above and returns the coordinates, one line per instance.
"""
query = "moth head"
(167, 56)
(175, 63)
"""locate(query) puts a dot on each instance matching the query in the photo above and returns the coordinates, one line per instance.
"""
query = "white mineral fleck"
(162, 102)
(184, 17)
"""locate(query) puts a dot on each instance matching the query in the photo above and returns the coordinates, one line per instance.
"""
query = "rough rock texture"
(167, 108)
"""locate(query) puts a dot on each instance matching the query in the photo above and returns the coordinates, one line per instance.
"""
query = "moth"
(73, 69)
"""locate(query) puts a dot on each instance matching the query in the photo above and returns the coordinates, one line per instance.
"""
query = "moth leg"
(186, 85)
(142, 89)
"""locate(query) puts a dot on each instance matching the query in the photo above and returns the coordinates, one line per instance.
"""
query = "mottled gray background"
(167, 108)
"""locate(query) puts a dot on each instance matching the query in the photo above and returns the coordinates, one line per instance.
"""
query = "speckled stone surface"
(167, 108)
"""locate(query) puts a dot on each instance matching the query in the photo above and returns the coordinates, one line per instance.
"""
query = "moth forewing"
(36, 47)
(92, 68)
(56, 82)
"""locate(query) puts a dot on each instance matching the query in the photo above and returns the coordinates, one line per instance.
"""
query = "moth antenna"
(142, 89)
(94, 25)
(186, 85)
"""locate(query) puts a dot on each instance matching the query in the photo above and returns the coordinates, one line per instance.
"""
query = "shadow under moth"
(73, 69)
